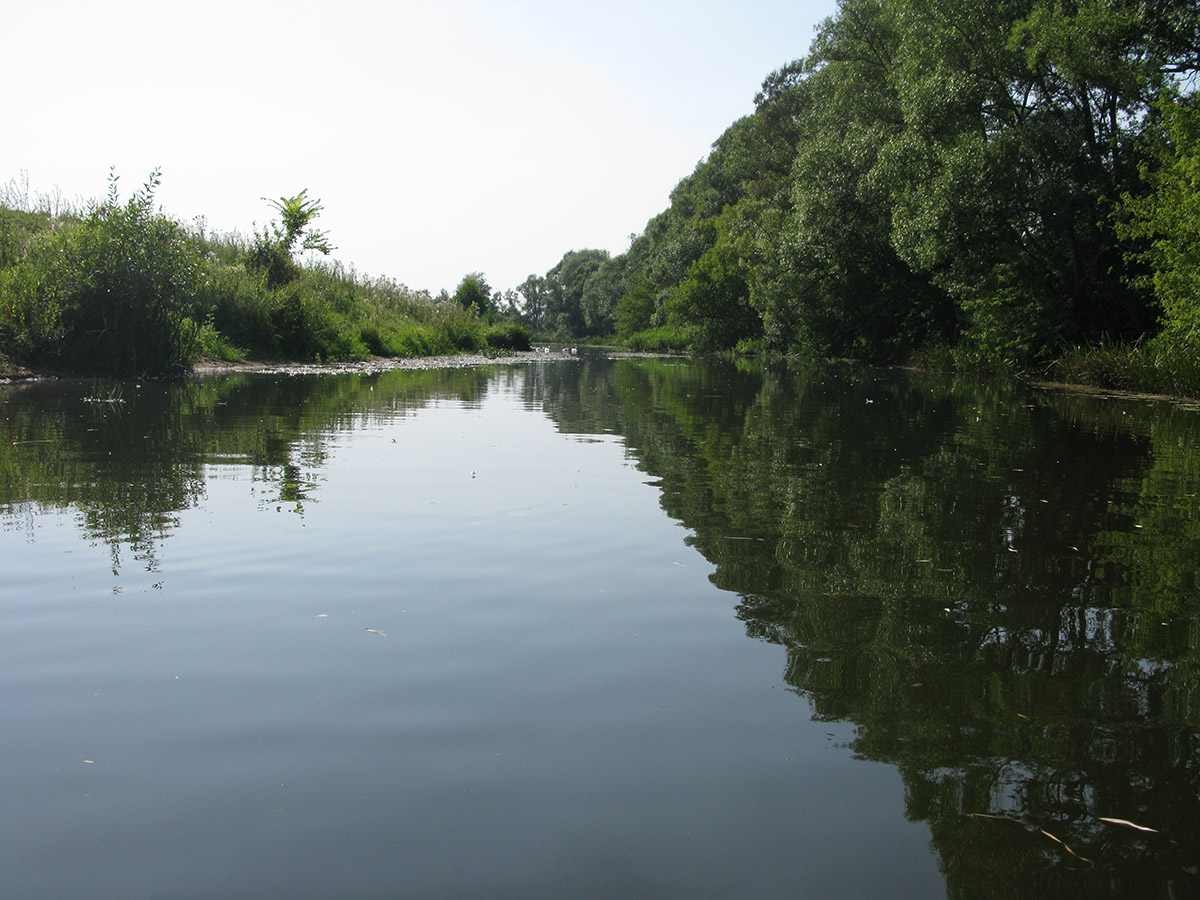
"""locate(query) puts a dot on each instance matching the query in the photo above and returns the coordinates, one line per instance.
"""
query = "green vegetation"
(980, 186)
(989, 187)
(113, 292)
(122, 289)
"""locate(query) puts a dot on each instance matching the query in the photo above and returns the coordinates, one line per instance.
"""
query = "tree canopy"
(994, 175)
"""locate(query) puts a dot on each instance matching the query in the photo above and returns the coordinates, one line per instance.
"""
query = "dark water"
(649, 629)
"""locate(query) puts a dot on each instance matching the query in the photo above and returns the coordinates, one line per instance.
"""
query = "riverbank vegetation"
(121, 289)
(1005, 187)
(1008, 186)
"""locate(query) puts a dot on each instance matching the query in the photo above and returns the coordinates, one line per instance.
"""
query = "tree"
(1163, 226)
(1019, 130)
(567, 281)
(603, 289)
(507, 304)
(714, 295)
(935, 171)
(273, 248)
(534, 292)
(635, 308)
(474, 293)
(297, 213)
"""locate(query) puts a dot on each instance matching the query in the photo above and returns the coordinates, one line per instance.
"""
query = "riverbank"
(206, 367)
(11, 372)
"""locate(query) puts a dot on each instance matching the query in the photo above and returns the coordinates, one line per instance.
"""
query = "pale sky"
(442, 138)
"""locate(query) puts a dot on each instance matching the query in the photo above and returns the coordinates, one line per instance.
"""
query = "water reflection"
(128, 459)
(998, 586)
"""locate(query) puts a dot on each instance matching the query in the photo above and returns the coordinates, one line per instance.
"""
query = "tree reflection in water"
(997, 585)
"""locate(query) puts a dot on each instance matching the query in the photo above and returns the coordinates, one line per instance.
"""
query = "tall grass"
(967, 358)
(1166, 364)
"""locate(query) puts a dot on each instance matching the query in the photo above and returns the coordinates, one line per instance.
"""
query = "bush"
(666, 337)
(114, 294)
(506, 336)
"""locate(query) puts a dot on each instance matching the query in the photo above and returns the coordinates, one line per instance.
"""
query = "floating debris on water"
(1030, 826)
(1127, 824)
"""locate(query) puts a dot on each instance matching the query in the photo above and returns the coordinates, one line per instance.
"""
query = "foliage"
(933, 175)
(297, 214)
(273, 249)
(1160, 366)
(602, 290)
(635, 308)
(713, 297)
(966, 357)
(664, 337)
(18, 228)
(474, 293)
(506, 336)
(126, 291)
(566, 285)
(1162, 224)
(112, 294)
(534, 293)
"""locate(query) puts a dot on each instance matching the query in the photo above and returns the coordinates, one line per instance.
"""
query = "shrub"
(506, 336)
(114, 294)
(665, 337)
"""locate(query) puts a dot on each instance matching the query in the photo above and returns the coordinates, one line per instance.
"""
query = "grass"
(965, 358)
(1165, 364)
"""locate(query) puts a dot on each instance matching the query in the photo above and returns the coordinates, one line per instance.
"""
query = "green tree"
(1163, 225)
(296, 214)
(714, 295)
(834, 284)
(534, 293)
(274, 247)
(1020, 129)
(474, 293)
(567, 282)
(635, 308)
(601, 292)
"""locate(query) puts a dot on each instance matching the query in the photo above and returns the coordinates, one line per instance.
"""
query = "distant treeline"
(984, 185)
(121, 289)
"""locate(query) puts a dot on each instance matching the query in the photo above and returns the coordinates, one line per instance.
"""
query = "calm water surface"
(597, 628)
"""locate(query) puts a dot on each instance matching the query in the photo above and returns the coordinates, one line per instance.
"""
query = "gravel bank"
(216, 367)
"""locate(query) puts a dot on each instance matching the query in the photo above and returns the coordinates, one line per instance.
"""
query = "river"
(598, 628)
